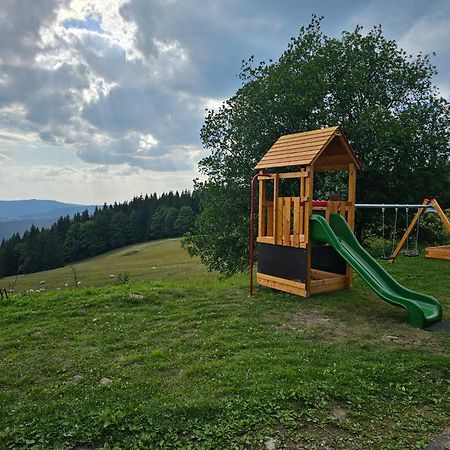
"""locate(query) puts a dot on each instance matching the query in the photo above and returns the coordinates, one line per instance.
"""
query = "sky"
(102, 100)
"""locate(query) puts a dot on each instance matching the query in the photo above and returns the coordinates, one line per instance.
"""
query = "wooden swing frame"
(441, 252)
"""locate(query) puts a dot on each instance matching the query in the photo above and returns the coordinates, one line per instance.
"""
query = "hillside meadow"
(162, 259)
(177, 358)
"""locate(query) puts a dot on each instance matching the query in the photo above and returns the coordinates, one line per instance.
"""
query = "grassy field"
(163, 259)
(192, 362)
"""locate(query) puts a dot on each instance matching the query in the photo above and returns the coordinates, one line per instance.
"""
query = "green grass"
(194, 363)
(163, 259)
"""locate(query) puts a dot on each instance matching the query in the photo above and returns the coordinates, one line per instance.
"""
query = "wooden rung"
(293, 175)
(265, 239)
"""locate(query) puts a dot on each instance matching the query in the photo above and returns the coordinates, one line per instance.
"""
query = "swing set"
(440, 252)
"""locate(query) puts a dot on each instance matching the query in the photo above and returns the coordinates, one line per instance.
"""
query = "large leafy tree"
(384, 100)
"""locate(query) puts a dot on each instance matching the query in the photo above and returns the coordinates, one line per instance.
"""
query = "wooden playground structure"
(287, 259)
(308, 246)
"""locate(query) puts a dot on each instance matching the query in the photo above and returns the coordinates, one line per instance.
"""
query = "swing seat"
(411, 254)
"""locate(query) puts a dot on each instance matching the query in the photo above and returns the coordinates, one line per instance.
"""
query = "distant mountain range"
(16, 216)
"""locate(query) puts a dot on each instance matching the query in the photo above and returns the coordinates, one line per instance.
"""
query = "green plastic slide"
(423, 310)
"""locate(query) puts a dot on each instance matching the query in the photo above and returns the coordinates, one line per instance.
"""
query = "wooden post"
(309, 194)
(275, 207)
(351, 200)
(296, 229)
(308, 202)
(302, 207)
(261, 209)
(351, 196)
(270, 219)
(279, 218)
(286, 235)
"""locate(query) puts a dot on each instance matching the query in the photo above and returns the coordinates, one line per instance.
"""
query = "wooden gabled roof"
(325, 148)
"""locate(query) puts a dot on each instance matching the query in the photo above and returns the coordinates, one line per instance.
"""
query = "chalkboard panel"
(326, 258)
(283, 262)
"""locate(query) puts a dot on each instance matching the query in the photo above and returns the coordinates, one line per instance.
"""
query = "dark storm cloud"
(20, 24)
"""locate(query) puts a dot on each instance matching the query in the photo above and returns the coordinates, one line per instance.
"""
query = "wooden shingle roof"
(326, 147)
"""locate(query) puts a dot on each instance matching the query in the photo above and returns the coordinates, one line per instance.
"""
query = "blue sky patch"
(90, 23)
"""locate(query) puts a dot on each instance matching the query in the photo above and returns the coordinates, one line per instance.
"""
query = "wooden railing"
(288, 225)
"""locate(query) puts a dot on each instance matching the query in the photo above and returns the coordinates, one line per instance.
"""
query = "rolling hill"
(16, 216)
(163, 259)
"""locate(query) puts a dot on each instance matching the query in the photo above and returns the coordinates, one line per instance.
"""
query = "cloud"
(84, 85)
(92, 183)
(417, 27)
(20, 25)
(426, 35)
(124, 83)
(143, 151)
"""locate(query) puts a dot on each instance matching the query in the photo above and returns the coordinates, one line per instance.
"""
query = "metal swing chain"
(417, 237)
(394, 233)
(383, 255)
(407, 239)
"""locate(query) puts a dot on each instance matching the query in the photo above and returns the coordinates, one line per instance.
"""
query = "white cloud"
(426, 35)
(90, 90)
(94, 184)
(416, 30)
(120, 32)
(121, 86)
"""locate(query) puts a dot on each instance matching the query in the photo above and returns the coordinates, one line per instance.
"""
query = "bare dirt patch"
(311, 318)
(340, 413)
(321, 326)
(408, 337)
(316, 325)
